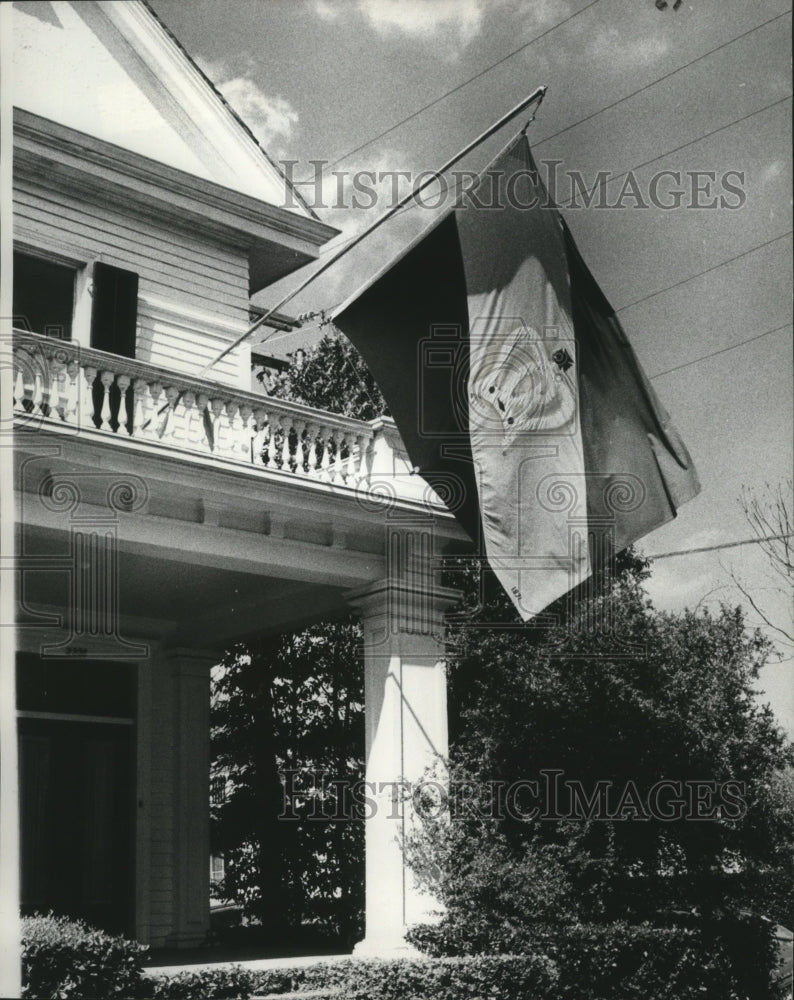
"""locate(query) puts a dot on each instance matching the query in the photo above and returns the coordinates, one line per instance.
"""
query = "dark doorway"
(77, 820)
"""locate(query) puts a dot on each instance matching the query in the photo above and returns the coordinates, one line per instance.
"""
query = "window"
(43, 296)
(217, 868)
(114, 315)
(218, 789)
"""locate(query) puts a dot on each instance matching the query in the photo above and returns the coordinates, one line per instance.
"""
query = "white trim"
(110, 720)
(192, 98)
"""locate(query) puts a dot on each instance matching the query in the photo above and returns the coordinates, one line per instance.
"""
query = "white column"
(179, 817)
(406, 732)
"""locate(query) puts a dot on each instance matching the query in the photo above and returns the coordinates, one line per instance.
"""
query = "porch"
(161, 518)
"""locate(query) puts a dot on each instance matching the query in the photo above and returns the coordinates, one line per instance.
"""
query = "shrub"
(213, 984)
(500, 977)
(67, 958)
(724, 956)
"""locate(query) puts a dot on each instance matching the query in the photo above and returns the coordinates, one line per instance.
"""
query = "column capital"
(374, 598)
(191, 661)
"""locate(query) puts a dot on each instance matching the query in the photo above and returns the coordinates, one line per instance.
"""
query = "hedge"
(499, 977)
(617, 961)
(727, 956)
(67, 958)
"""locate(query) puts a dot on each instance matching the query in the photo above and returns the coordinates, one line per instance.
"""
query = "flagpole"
(536, 95)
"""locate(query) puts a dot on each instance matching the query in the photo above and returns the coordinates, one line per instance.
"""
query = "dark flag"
(507, 371)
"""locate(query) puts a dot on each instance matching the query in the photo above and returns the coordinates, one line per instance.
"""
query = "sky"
(704, 88)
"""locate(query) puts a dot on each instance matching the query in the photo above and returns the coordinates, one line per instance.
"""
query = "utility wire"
(723, 545)
(666, 76)
(692, 142)
(723, 350)
(460, 86)
(708, 270)
(526, 45)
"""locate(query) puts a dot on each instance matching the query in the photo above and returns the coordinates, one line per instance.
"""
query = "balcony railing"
(60, 382)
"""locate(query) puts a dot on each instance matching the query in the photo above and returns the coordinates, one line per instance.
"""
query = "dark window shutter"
(114, 315)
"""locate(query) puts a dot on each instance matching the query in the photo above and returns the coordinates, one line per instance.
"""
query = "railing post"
(123, 382)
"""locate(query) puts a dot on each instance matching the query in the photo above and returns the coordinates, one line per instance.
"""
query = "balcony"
(64, 387)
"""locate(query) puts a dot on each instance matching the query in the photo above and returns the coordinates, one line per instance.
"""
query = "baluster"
(348, 470)
(244, 441)
(220, 430)
(357, 455)
(286, 432)
(189, 437)
(272, 428)
(49, 395)
(87, 402)
(38, 391)
(260, 438)
(326, 467)
(19, 379)
(142, 406)
(157, 419)
(310, 444)
(60, 394)
(300, 456)
(174, 429)
(71, 410)
(123, 382)
(234, 422)
(202, 411)
(106, 378)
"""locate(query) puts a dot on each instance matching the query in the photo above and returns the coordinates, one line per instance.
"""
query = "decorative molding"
(277, 240)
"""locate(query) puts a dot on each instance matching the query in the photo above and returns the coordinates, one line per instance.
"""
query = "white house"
(162, 515)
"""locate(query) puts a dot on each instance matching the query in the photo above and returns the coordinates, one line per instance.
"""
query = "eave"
(276, 240)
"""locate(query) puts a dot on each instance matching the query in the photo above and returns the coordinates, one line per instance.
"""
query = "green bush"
(67, 958)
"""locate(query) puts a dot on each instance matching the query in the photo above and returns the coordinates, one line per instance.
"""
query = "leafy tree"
(652, 697)
(332, 376)
(285, 711)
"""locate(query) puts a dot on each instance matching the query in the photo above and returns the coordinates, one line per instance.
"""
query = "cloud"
(272, 119)
(326, 10)
(425, 20)
(615, 51)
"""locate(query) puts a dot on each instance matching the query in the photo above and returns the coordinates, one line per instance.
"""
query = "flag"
(509, 376)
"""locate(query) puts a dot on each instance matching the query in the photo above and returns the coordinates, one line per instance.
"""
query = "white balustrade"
(63, 383)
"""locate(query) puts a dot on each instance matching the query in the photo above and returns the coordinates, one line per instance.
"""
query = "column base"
(392, 945)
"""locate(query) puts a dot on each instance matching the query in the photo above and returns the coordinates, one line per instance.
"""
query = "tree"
(332, 376)
(285, 712)
(598, 717)
(769, 514)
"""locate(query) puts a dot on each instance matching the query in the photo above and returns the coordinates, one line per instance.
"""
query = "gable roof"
(122, 77)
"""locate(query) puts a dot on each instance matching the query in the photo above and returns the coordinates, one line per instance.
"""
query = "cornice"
(54, 153)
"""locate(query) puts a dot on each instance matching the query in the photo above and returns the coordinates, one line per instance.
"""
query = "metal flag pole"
(535, 96)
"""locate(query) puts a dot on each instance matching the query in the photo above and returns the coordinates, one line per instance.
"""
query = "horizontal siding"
(173, 267)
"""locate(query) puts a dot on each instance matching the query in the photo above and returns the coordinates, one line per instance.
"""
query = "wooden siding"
(193, 295)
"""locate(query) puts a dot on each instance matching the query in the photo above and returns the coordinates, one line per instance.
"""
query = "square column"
(405, 699)
(178, 815)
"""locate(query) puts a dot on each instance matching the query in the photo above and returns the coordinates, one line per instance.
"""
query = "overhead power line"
(722, 350)
(567, 128)
(660, 79)
(460, 86)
